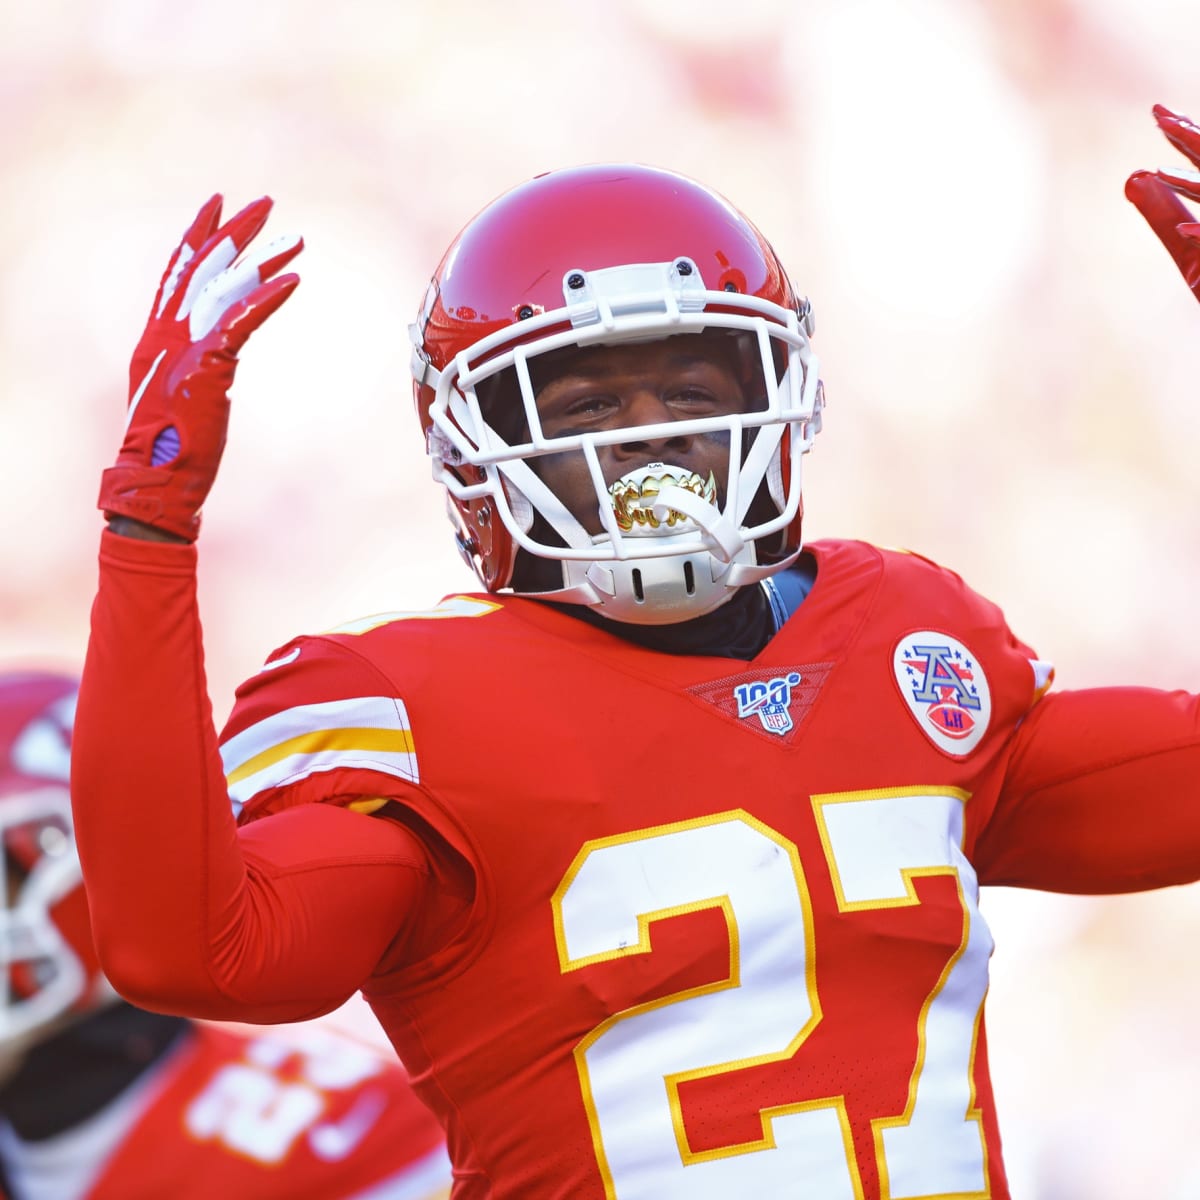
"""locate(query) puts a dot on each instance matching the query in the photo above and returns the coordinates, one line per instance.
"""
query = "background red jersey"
(293, 1114)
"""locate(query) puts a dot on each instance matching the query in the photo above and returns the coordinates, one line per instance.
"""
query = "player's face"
(610, 387)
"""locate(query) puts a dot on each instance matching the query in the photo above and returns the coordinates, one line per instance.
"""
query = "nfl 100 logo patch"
(770, 702)
(945, 690)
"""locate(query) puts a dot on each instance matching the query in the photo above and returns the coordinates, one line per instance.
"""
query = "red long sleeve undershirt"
(189, 913)
(1101, 794)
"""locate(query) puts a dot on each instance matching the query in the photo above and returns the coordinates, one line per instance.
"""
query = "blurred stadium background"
(1010, 357)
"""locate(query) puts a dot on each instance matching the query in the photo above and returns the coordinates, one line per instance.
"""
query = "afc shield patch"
(945, 690)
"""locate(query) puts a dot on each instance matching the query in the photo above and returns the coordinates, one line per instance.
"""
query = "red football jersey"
(723, 933)
(285, 1115)
(726, 936)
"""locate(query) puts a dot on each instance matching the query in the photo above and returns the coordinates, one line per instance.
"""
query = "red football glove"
(208, 303)
(1156, 195)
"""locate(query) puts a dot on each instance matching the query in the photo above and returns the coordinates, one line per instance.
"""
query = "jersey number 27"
(631, 1065)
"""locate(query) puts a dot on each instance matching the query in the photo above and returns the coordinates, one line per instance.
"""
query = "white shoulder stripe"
(369, 732)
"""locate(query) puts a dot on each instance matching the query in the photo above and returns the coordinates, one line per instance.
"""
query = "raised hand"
(1157, 196)
(210, 300)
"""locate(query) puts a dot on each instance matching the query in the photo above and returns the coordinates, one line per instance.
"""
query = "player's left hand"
(1156, 195)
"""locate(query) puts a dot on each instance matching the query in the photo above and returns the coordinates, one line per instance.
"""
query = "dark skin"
(609, 387)
(128, 527)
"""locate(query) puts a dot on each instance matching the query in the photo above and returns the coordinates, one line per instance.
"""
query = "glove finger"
(1181, 132)
(204, 223)
(240, 321)
(1156, 201)
(222, 248)
(1183, 181)
(244, 226)
(196, 234)
(238, 281)
(1166, 213)
(277, 254)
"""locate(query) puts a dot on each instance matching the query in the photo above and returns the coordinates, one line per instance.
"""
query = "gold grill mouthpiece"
(634, 496)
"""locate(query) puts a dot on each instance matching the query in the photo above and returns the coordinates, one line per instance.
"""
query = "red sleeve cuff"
(140, 554)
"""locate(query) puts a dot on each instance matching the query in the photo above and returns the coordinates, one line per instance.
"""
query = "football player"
(659, 858)
(99, 1099)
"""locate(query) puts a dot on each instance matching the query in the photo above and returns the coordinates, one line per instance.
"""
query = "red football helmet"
(609, 256)
(48, 964)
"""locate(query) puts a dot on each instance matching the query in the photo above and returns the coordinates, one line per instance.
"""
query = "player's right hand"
(210, 300)
(1156, 196)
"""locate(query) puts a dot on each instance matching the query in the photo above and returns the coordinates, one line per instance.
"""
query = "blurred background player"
(100, 1099)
